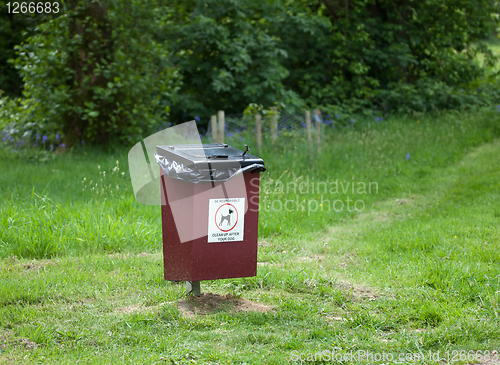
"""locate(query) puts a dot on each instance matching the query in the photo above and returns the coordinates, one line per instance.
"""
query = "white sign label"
(226, 218)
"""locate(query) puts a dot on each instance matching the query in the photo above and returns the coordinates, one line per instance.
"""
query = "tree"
(99, 71)
(389, 55)
(226, 56)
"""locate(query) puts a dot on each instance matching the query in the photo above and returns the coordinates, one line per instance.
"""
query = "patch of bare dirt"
(348, 259)
(7, 340)
(266, 263)
(208, 303)
(137, 308)
(358, 292)
(310, 258)
(336, 318)
(141, 254)
(406, 201)
(381, 217)
(264, 244)
(37, 265)
(494, 359)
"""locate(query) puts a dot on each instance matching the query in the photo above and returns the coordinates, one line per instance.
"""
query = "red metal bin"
(210, 211)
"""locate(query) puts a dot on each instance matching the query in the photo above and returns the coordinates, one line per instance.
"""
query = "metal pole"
(193, 287)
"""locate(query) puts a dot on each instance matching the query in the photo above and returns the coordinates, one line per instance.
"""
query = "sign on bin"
(226, 220)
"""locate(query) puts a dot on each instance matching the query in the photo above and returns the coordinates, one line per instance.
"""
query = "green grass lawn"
(415, 269)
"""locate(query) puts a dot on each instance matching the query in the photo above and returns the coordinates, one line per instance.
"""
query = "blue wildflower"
(51, 147)
(337, 116)
(44, 139)
(352, 120)
(408, 156)
(197, 118)
(377, 119)
(37, 136)
(381, 119)
(57, 136)
(83, 142)
(230, 134)
(62, 145)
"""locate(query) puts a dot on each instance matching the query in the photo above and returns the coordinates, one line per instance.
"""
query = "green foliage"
(97, 72)
(348, 57)
(408, 55)
(109, 68)
(226, 56)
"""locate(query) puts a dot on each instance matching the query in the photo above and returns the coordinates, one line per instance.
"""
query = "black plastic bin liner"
(206, 163)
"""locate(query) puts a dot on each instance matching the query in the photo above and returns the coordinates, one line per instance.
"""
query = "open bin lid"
(205, 163)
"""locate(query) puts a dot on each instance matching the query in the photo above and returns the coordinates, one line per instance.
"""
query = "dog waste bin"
(210, 207)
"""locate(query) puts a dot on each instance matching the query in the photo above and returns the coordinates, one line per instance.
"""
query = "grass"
(412, 270)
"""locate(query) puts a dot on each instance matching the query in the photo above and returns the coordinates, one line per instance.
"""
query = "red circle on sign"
(226, 230)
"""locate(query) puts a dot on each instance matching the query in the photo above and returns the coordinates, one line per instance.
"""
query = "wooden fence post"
(274, 124)
(308, 126)
(258, 130)
(318, 129)
(215, 135)
(221, 126)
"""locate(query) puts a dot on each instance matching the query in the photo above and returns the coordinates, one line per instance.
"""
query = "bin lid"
(205, 163)
(218, 155)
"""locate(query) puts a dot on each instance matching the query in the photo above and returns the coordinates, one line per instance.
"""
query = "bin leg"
(193, 287)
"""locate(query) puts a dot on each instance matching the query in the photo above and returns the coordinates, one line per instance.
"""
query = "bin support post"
(193, 287)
